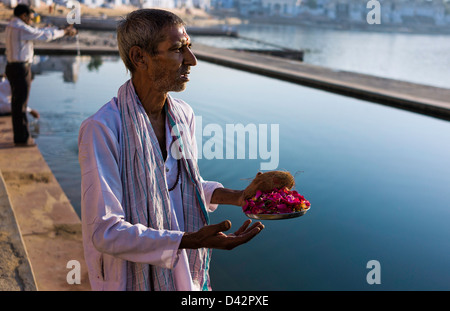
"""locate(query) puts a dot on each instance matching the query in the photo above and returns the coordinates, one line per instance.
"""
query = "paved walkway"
(15, 269)
(45, 228)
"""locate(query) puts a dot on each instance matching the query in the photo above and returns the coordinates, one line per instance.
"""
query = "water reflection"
(95, 63)
(69, 66)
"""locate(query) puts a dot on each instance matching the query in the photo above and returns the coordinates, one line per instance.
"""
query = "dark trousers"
(19, 76)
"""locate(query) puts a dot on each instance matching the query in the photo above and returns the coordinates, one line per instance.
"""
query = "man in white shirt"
(19, 54)
(144, 205)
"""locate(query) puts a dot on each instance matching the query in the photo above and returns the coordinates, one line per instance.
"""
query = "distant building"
(171, 4)
(202, 4)
(14, 3)
(396, 12)
(165, 4)
(417, 12)
(280, 7)
(249, 7)
(223, 4)
(10, 3)
(93, 3)
(405, 12)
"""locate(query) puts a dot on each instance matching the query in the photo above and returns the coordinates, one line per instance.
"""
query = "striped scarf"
(145, 192)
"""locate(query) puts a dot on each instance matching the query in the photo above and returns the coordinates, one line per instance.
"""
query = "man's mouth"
(185, 76)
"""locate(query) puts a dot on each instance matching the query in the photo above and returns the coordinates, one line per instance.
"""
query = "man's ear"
(138, 57)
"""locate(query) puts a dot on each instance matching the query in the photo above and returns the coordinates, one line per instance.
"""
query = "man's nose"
(189, 57)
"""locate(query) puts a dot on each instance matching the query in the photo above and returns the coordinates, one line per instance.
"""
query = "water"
(415, 58)
(377, 178)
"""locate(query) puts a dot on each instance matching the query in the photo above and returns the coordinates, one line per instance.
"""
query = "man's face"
(26, 18)
(169, 70)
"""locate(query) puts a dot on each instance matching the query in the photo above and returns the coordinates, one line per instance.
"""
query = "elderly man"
(144, 204)
(19, 54)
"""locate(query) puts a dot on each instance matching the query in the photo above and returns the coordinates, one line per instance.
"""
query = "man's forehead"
(178, 34)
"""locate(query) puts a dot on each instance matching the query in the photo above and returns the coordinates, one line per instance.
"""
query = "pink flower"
(258, 194)
(275, 202)
(274, 196)
(292, 199)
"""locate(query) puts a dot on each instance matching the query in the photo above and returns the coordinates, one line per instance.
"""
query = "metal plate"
(276, 216)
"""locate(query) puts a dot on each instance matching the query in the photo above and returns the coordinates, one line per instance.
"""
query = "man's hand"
(233, 197)
(212, 236)
(35, 114)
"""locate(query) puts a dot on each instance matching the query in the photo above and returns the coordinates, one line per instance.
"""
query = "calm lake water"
(416, 58)
(377, 178)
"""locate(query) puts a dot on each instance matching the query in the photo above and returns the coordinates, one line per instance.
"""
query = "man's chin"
(179, 88)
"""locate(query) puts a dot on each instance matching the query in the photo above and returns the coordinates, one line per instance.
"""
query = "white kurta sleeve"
(208, 189)
(44, 34)
(103, 216)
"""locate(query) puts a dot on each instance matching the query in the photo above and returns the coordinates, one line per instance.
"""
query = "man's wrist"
(227, 196)
(189, 240)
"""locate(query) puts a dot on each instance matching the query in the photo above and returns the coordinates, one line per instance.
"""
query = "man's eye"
(182, 48)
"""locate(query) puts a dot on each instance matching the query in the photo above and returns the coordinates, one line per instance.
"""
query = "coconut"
(268, 181)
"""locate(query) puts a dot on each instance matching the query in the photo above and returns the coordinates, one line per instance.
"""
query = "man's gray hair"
(144, 28)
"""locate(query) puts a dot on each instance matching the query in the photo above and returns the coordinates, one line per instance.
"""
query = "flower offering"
(277, 201)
